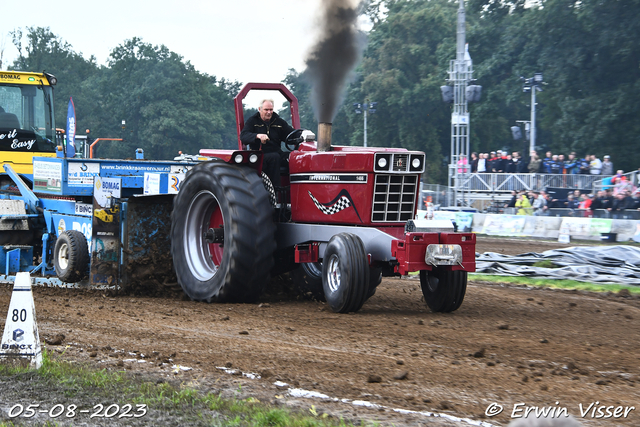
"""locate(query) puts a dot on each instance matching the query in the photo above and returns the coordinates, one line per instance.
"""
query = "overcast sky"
(242, 40)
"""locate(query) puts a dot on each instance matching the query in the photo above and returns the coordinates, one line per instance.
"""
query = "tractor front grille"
(394, 198)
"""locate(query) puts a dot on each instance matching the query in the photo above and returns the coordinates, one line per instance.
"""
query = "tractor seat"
(9, 121)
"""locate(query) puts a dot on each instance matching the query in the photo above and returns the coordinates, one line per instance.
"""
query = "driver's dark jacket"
(277, 129)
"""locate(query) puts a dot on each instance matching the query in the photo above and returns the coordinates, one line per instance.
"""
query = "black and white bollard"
(20, 341)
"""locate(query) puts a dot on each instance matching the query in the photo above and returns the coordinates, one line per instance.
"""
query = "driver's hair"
(265, 100)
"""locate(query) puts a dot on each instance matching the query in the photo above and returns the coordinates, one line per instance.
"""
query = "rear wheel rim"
(333, 272)
(63, 256)
(202, 257)
(216, 250)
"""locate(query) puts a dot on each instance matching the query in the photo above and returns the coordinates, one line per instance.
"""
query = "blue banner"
(71, 129)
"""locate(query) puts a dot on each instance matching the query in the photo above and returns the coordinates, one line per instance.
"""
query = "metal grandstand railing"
(495, 187)
(506, 182)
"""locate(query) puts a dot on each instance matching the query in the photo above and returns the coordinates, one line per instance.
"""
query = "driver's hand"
(263, 137)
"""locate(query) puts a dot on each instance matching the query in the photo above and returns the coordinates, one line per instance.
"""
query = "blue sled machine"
(105, 221)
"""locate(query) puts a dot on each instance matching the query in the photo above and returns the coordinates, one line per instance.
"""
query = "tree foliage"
(167, 105)
(404, 66)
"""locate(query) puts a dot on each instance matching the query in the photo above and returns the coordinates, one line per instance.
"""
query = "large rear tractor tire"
(443, 290)
(345, 273)
(222, 234)
(71, 256)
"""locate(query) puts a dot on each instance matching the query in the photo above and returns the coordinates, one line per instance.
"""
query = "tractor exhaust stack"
(324, 136)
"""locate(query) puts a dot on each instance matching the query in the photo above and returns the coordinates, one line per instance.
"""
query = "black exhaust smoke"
(336, 53)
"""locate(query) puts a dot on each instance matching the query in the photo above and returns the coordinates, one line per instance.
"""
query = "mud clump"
(148, 265)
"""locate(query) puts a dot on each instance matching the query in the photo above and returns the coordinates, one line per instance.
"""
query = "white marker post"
(564, 234)
(20, 341)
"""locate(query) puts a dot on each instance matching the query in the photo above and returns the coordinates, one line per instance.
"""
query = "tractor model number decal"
(356, 178)
(341, 202)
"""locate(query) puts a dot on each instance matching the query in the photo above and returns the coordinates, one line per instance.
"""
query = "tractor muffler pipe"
(324, 136)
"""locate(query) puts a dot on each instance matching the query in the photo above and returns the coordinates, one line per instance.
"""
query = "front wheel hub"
(334, 273)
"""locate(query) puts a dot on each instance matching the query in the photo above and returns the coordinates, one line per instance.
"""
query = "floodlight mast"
(460, 74)
(365, 107)
(533, 84)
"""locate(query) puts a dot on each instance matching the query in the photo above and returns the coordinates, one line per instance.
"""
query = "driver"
(267, 130)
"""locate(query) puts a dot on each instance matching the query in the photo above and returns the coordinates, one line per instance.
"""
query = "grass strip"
(555, 283)
(176, 403)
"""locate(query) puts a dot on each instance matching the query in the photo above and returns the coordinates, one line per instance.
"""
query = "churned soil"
(511, 346)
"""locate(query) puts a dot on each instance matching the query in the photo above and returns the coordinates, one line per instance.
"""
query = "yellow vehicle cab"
(27, 126)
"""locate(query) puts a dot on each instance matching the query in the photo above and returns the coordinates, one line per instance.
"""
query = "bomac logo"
(9, 77)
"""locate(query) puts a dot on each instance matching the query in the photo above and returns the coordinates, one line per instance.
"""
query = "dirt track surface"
(516, 246)
(505, 345)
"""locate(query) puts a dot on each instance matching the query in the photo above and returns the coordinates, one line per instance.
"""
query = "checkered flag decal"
(268, 185)
(340, 203)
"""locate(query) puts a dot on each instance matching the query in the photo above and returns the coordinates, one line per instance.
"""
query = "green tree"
(404, 65)
(39, 50)
(300, 86)
(168, 106)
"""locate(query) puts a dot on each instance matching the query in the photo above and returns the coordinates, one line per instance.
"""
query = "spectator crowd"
(623, 196)
(618, 193)
(503, 162)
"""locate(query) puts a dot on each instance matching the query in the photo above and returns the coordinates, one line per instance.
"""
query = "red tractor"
(343, 219)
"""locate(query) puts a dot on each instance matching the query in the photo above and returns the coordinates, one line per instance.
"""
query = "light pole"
(533, 85)
(365, 107)
(460, 93)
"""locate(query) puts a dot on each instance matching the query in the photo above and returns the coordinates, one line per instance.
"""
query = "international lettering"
(325, 178)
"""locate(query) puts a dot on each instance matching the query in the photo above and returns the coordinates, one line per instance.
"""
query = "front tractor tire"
(71, 256)
(222, 234)
(307, 280)
(345, 273)
(443, 290)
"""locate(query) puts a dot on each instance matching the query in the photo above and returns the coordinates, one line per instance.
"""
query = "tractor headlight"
(238, 158)
(443, 255)
(382, 162)
(417, 163)
(253, 158)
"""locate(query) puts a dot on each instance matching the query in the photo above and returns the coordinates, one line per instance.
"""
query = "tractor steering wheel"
(294, 139)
